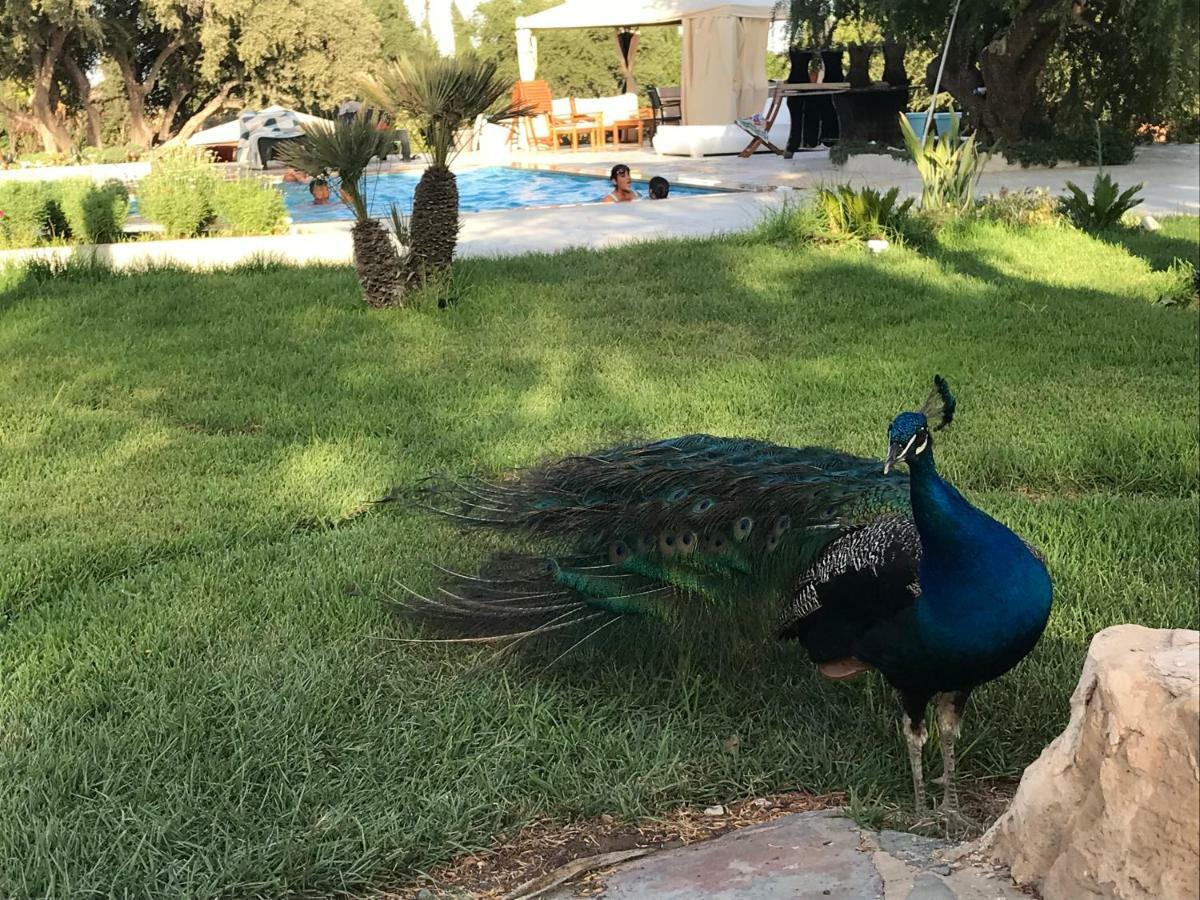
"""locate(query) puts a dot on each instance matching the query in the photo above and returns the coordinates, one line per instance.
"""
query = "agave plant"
(346, 148)
(864, 213)
(949, 166)
(1104, 208)
(442, 94)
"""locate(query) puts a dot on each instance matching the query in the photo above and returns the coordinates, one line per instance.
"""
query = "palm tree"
(442, 95)
(346, 148)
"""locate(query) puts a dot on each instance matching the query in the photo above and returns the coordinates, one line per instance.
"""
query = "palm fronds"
(442, 94)
(345, 147)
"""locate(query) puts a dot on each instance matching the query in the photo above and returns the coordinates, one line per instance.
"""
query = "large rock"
(1112, 807)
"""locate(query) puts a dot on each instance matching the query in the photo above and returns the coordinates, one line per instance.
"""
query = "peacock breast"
(981, 617)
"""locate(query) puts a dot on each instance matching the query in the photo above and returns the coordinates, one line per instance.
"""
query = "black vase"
(894, 72)
(859, 74)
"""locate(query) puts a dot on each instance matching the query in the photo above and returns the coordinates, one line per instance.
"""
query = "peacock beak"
(896, 452)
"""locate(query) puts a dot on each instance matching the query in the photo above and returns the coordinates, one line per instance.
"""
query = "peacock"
(869, 569)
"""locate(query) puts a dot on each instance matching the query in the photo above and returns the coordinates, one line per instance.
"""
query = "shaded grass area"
(198, 694)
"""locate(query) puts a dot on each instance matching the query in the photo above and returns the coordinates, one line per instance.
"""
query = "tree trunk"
(91, 105)
(178, 95)
(434, 222)
(377, 264)
(1008, 67)
(141, 130)
(55, 137)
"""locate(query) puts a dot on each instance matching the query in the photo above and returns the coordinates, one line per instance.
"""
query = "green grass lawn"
(198, 696)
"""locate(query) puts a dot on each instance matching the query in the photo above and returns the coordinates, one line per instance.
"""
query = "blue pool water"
(494, 187)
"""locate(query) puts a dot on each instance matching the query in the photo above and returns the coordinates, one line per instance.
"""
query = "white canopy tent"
(724, 68)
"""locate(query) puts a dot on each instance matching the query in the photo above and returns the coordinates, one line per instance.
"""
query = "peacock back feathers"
(647, 529)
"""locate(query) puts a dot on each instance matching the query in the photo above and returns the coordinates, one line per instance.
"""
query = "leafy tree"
(399, 37)
(1012, 63)
(35, 35)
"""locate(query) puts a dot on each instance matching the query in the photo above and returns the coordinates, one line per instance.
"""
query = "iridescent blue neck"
(938, 509)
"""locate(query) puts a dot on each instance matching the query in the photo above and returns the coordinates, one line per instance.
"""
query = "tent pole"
(937, 82)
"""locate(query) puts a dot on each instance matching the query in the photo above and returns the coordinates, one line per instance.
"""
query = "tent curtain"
(751, 84)
(526, 54)
(724, 71)
(627, 44)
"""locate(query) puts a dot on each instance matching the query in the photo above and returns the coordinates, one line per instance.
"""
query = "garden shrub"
(44, 158)
(1183, 285)
(108, 155)
(95, 213)
(1029, 208)
(1045, 147)
(1104, 208)
(249, 206)
(29, 213)
(864, 213)
(178, 193)
(840, 152)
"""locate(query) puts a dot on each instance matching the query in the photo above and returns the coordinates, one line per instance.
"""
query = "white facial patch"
(921, 449)
(904, 452)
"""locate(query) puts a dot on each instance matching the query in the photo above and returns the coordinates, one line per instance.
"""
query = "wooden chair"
(535, 99)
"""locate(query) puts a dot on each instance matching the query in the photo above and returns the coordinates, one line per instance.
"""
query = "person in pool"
(659, 188)
(623, 191)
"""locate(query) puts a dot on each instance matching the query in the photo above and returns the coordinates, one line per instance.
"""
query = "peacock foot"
(956, 824)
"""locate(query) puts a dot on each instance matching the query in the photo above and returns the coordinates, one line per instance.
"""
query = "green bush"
(840, 153)
(29, 213)
(1029, 208)
(43, 158)
(1046, 148)
(249, 206)
(1104, 208)
(107, 155)
(178, 193)
(95, 213)
(864, 213)
(1183, 285)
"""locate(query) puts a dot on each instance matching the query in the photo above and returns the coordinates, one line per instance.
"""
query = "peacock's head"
(908, 435)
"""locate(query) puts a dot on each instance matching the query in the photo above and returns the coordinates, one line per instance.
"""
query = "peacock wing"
(637, 528)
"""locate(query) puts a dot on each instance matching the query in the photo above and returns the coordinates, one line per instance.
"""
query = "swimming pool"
(492, 187)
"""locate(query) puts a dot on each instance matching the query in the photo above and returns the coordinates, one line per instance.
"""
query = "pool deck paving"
(819, 855)
(1170, 174)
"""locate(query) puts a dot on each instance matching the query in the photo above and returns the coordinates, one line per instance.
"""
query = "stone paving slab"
(808, 856)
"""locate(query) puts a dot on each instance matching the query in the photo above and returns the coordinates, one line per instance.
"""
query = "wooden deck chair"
(535, 97)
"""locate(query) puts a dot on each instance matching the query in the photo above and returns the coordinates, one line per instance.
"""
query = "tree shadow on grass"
(1156, 248)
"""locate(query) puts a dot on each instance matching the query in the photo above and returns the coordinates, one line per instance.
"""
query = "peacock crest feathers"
(939, 407)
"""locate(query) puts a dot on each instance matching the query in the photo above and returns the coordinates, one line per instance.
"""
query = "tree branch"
(192, 124)
(178, 95)
(155, 67)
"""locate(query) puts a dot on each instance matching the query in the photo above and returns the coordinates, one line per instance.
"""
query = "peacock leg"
(949, 714)
(915, 736)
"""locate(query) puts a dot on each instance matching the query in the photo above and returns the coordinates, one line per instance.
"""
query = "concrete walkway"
(808, 856)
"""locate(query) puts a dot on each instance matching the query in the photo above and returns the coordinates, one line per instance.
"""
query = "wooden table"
(630, 124)
(779, 92)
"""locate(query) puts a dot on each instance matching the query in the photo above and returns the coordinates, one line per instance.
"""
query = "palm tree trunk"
(377, 264)
(434, 222)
